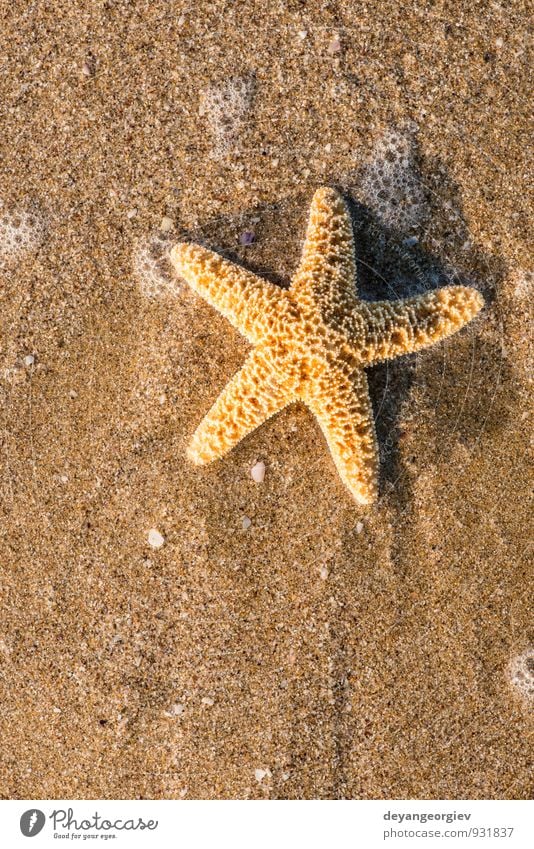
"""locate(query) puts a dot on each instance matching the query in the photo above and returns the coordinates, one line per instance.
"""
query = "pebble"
(323, 573)
(259, 774)
(334, 46)
(246, 238)
(176, 710)
(29, 360)
(207, 701)
(131, 213)
(166, 224)
(246, 523)
(359, 527)
(155, 539)
(258, 472)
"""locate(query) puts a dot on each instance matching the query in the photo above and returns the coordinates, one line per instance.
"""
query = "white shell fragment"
(258, 472)
(166, 224)
(155, 539)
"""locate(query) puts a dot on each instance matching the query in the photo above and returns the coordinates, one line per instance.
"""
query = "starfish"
(313, 341)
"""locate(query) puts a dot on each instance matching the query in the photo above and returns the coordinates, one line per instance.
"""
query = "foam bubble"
(391, 182)
(522, 674)
(523, 284)
(21, 231)
(152, 267)
(226, 107)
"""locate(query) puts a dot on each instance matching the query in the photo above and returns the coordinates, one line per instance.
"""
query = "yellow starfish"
(313, 341)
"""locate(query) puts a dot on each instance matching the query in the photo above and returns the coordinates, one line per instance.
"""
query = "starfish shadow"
(392, 265)
(268, 224)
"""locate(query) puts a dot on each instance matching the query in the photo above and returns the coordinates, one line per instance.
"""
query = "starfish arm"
(342, 406)
(244, 299)
(251, 397)
(387, 329)
(326, 277)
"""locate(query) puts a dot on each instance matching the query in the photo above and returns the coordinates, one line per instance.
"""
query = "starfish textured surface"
(313, 341)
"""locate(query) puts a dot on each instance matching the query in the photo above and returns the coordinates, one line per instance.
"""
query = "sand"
(272, 639)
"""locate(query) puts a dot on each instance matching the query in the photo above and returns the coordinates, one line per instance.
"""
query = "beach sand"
(282, 641)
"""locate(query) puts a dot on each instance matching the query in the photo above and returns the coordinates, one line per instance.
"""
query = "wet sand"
(321, 650)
